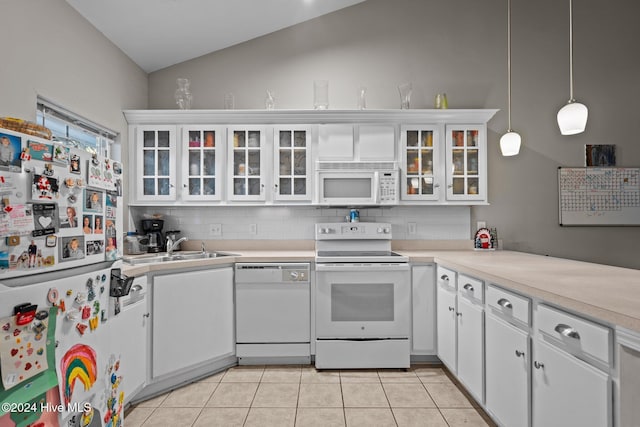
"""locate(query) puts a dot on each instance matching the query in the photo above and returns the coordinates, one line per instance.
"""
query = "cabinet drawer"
(471, 288)
(579, 335)
(446, 278)
(509, 304)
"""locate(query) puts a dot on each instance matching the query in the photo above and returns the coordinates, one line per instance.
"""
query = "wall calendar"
(599, 196)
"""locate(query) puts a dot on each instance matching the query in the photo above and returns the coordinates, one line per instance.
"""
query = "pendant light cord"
(509, 64)
(571, 99)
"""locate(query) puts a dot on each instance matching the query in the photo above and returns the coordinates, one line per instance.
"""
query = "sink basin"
(176, 256)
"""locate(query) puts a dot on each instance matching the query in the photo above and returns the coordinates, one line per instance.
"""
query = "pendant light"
(510, 141)
(572, 118)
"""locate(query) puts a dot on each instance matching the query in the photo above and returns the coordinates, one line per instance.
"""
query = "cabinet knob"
(444, 277)
(459, 314)
(147, 315)
(451, 309)
(468, 287)
(519, 353)
(538, 365)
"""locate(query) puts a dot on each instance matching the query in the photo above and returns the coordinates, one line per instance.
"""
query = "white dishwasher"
(273, 313)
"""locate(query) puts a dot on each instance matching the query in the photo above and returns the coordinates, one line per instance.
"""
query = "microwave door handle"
(376, 187)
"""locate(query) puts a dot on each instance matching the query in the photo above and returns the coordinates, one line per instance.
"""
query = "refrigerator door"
(60, 207)
(88, 388)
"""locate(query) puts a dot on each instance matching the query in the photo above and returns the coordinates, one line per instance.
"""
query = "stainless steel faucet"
(171, 245)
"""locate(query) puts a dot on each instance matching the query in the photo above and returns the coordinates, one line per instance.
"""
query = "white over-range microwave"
(357, 183)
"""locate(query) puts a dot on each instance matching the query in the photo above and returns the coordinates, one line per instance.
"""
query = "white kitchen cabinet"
(470, 330)
(567, 391)
(421, 164)
(423, 336)
(292, 169)
(571, 385)
(155, 163)
(470, 323)
(507, 372)
(376, 142)
(446, 318)
(466, 162)
(129, 331)
(193, 319)
(628, 361)
(507, 357)
(202, 162)
(335, 142)
(247, 163)
(461, 328)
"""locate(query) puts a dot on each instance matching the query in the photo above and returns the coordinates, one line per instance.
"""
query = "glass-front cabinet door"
(420, 159)
(292, 163)
(156, 163)
(246, 163)
(202, 157)
(466, 162)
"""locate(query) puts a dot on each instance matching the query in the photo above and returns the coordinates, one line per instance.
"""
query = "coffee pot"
(153, 229)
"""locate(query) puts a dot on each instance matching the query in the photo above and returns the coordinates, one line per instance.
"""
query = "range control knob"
(387, 230)
(380, 230)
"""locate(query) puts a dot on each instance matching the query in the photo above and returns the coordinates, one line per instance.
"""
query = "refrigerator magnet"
(51, 241)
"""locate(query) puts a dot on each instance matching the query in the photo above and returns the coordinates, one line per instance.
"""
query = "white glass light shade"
(510, 143)
(572, 118)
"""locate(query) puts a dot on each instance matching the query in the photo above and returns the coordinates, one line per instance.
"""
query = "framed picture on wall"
(600, 155)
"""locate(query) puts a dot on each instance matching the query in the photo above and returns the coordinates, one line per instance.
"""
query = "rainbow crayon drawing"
(78, 363)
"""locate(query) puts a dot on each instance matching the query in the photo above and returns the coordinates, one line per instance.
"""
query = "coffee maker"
(153, 229)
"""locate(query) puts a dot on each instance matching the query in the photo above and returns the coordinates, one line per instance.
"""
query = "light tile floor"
(302, 396)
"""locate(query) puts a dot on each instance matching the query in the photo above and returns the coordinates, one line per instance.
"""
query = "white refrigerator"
(60, 284)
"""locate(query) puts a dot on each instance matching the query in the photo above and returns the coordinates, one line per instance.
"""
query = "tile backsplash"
(297, 222)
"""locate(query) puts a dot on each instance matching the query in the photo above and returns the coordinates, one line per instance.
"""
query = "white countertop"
(606, 293)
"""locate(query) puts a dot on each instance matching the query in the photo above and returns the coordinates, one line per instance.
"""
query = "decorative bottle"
(183, 94)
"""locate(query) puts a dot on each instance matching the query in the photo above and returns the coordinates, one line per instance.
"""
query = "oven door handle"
(349, 267)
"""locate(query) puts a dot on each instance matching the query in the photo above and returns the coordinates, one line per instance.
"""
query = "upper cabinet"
(421, 163)
(466, 162)
(246, 159)
(155, 171)
(214, 157)
(292, 163)
(202, 150)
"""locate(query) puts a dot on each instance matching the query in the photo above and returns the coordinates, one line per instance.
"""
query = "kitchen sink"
(176, 256)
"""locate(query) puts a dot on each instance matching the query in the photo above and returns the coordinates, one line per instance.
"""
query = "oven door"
(363, 301)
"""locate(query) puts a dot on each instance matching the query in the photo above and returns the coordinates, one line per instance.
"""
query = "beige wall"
(459, 47)
(51, 51)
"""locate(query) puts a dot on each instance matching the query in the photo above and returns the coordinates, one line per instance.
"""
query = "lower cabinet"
(470, 322)
(507, 372)
(628, 361)
(460, 317)
(423, 329)
(129, 343)
(567, 391)
(508, 357)
(571, 385)
(446, 318)
(470, 341)
(193, 319)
